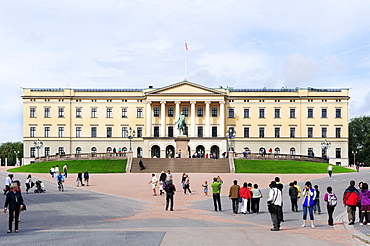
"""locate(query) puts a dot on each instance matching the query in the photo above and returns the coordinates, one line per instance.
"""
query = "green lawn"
(75, 166)
(267, 166)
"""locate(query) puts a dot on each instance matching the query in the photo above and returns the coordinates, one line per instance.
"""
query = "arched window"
(277, 150)
(78, 150)
(93, 150)
(292, 151)
(109, 150)
(124, 149)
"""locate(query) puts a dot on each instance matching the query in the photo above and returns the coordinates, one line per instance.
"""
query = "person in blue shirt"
(60, 179)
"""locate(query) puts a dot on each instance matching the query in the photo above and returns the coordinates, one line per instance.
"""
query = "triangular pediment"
(185, 87)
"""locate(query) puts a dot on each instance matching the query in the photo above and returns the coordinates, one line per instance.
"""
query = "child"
(205, 186)
(316, 206)
(161, 188)
(331, 201)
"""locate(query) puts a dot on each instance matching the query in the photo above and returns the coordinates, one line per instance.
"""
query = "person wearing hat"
(14, 201)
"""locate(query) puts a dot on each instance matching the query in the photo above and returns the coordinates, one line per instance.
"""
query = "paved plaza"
(119, 209)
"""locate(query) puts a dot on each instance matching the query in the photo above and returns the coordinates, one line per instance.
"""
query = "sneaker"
(361, 223)
(313, 226)
(351, 223)
(303, 225)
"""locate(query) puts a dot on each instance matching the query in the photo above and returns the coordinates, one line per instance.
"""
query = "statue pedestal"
(182, 146)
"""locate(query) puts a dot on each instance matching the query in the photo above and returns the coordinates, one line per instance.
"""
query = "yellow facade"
(288, 121)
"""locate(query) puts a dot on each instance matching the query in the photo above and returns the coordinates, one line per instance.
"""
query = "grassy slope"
(267, 166)
(75, 166)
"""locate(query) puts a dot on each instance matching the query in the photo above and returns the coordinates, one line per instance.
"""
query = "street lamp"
(38, 145)
(130, 135)
(354, 152)
(230, 134)
(325, 146)
(16, 159)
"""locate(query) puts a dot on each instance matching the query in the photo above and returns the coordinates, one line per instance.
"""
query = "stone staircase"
(181, 165)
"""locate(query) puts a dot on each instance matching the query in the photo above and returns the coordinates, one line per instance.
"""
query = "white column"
(163, 119)
(177, 114)
(208, 117)
(222, 119)
(192, 119)
(6, 162)
(148, 118)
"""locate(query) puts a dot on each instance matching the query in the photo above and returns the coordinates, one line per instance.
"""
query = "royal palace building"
(300, 121)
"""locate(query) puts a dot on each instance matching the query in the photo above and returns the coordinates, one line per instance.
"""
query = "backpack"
(169, 188)
(332, 200)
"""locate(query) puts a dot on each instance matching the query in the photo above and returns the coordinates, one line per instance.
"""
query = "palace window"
(78, 132)
(139, 132)
(32, 152)
(324, 113)
(214, 131)
(338, 132)
(277, 113)
(277, 132)
(109, 113)
(324, 132)
(47, 151)
(292, 132)
(32, 112)
(200, 112)
(139, 112)
(78, 112)
(94, 131)
(61, 112)
(94, 112)
(338, 113)
(292, 113)
(170, 131)
(185, 111)
(261, 132)
(109, 132)
(60, 131)
(261, 113)
(338, 153)
(310, 113)
(246, 113)
(124, 113)
(246, 132)
(155, 112)
(214, 112)
(200, 131)
(46, 112)
(47, 131)
(310, 132)
(170, 112)
(231, 113)
(32, 131)
(124, 131)
(156, 131)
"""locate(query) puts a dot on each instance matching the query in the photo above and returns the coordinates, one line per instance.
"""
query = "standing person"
(187, 185)
(141, 165)
(365, 204)
(256, 196)
(8, 183)
(316, 206)
(57, 169)
(357, 167)
(293, 193)
(216, 190)
(170, 192)
(114, 151)
(29, 183)
(52, 171)
(161, 188)
(65, 170)
(274, 202)
(205, 188)
(331, 201)
(162, 178)
(14, 200)
(351, 197)
(308, 202)
(330, 170)
(183, 178)
(86, 177)
(79, 179)
(280, 187)
(298, 189)
(234, 196)
(169, 176)
(154, 182)
(245, 194)
(249, 202)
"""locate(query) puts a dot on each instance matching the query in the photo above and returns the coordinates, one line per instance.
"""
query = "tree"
(359, 129)
(7, 151)
(366, 150)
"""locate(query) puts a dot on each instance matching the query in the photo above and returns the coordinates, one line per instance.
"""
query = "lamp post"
(230, 134)
(354, 152)
(16, 156)
(325, 146)
(130, 135)
(38, 145)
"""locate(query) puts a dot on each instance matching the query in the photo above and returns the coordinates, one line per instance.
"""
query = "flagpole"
(185, 58)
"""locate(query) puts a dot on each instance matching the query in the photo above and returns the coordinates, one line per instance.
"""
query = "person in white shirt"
(274, 202)
(330, 169)
(8, 183)
(154, 182)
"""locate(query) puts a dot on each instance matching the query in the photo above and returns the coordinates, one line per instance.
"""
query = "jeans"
(169, 199)
(187, 187)
(275, 219)
(316, 206)
(16, 218)
(255, 205)
(310, 210)
(235, 205)
(217, 201)
(351, 210)
(249, 205)
(293, 200)
(330, 213)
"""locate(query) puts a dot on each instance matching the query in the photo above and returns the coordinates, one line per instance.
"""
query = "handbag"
(241, 198)
(271, 207)
(24, 208)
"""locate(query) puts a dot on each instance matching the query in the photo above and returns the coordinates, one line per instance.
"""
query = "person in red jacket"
(351, 197)
(245, 194)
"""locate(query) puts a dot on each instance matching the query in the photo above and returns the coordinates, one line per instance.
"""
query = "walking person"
(170, 192)
(357, 167)
(56, 169)
(234, 196)
(280, 187)
(245, 194)
(330, 170)
(162, 178)
(351, 197)
(316, 206)
(216, 190)
(52, 171)
(187, 185)
(8, 183)
(293, 193)
(79, 179)
(154, 182)
(365, 205)
(274, 202)
(249, 202)
(65, 170)
(205, 188)
(256, 196)
(29, 183)
(309, 195)
(331, 201)
(86, 177)
(183, 178)
(13, 202)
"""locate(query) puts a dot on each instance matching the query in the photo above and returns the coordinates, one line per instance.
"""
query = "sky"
(134, 44)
